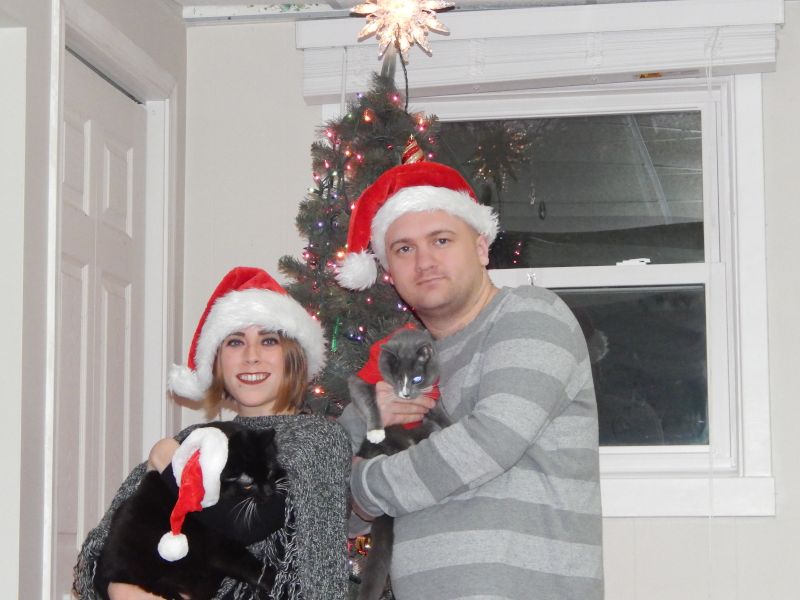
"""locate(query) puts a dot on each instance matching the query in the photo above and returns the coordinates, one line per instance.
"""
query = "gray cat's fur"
(407, 361)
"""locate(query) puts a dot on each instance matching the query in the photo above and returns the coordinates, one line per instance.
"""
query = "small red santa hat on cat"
(246, 296)
(197, 464)
(411, 187)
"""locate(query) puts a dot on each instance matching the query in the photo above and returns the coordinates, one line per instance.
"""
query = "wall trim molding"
(97, 41)
(547, 47)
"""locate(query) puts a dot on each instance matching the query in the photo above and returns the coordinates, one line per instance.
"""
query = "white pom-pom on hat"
(173, 547)
(358, 271)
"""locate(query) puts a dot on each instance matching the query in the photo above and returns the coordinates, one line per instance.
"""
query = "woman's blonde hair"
(291, 394)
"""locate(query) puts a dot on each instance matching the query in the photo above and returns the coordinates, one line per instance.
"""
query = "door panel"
(99, 306)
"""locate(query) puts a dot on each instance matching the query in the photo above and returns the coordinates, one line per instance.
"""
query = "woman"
(256, 348)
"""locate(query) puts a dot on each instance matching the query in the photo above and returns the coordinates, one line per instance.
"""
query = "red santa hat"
(413, 187)
(246, 296)
(197, 465)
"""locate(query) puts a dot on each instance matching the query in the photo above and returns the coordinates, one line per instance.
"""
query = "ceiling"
(336, 8)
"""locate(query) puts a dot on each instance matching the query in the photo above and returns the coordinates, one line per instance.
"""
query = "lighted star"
(401, 23)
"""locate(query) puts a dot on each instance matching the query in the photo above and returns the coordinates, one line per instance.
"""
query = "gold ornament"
(412, 153)
(401, 23)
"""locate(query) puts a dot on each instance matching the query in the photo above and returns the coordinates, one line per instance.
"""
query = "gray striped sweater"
(504, 503)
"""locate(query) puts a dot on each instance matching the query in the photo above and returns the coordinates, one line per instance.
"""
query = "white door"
(99, 350)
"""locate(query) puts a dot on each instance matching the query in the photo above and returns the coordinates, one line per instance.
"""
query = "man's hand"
(396, 411)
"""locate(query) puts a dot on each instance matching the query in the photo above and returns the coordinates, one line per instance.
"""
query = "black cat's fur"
(130, 553)
(407, 361)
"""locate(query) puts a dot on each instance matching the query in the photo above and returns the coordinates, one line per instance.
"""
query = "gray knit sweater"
(504, 503)
(316, 455)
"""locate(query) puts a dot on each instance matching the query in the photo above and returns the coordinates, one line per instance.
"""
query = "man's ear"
(482, 246)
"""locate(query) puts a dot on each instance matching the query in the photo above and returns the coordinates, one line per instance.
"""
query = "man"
(504, 503)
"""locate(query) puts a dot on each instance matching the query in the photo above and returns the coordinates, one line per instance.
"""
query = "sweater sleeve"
(353, 423)
(83, 572)
(532, 362)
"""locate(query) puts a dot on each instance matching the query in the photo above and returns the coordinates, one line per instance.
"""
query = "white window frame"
(720, 455)
(713, 65)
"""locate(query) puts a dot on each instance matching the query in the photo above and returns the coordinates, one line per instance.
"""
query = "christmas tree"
(373, 136)
(377, 132)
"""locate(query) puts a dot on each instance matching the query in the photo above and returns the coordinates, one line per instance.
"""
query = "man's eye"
(442, 241)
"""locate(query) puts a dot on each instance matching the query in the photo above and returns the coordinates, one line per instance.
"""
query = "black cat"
(250, 478)
(407, 361)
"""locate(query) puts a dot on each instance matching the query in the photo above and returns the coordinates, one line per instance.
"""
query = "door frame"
(91, 36)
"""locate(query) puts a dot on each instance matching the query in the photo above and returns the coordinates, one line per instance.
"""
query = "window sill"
(688, 497)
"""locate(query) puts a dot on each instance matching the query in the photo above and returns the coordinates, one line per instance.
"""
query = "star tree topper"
(401, 23)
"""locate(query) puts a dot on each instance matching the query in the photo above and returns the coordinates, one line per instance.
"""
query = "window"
(623, 199)
(598, 190)
(633, 71)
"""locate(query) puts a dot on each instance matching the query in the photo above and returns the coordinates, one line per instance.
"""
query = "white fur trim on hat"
(424, 198)
(213, 446)
(238, 310)
(358, 271)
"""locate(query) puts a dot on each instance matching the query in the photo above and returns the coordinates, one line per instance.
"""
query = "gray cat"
(407, 361)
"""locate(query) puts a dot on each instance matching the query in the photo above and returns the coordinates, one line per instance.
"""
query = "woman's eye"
(270, 341)
(233, 342)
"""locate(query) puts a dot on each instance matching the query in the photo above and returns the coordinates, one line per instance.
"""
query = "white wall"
(247, 155)
(248, 165)
(26, 423)
(27, 378)
(12, 208)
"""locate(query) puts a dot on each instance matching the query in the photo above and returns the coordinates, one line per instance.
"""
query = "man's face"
(436, 262)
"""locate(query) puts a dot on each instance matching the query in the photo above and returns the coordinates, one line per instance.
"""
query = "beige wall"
(248, 165)
(161, 33)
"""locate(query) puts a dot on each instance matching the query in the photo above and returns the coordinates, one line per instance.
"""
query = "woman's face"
(251, 362)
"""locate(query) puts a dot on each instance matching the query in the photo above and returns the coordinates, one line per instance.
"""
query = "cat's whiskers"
(241, 508)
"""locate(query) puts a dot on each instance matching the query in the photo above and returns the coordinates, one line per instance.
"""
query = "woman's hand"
(126, 591)
(161, 454)
(396, 411)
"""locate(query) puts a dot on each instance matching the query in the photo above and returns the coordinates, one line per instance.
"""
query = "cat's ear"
(389, 349)
(388, 358)
(267, 436)
(424, 353)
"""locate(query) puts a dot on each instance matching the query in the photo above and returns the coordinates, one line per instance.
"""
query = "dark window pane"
(648, 350)
(583, 191)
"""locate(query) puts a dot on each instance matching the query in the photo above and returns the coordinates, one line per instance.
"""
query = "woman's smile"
(252, 378)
